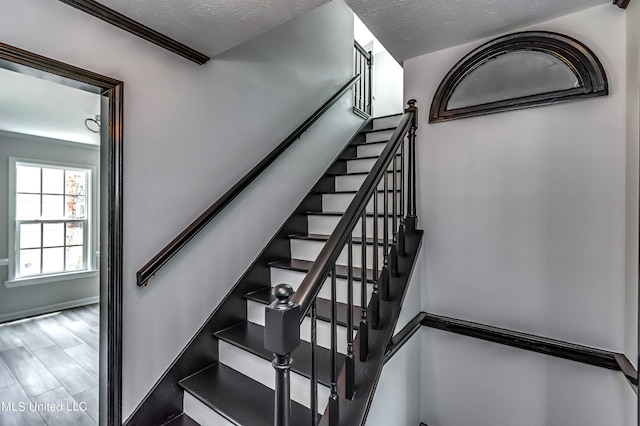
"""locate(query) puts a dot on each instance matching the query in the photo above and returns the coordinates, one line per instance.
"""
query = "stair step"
(387, 121)
(181, 420)
(323, 307)
(350, 192)
(380, 130)
(355, 173)
(369, 214)
(231, 394)
(304, 266)
(250, 337)
(367, 157)
(322, 237)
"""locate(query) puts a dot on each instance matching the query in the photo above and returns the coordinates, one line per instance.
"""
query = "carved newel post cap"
(411, 102)
(283, 293)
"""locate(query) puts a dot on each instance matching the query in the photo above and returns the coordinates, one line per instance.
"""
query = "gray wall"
(524, 217)
(28, 300)
(633, 140)
(190, 132)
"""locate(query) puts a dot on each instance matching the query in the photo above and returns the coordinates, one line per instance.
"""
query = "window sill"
(20, 282)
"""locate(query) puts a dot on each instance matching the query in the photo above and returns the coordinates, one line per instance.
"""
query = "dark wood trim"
(111, 235)
(152, 266)
(622, 4)
(628, 370)
(530, 342)
(361, 49)
(403, 336)
(589, 71)
(121, 21)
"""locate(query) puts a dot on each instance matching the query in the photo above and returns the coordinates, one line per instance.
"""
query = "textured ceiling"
(33, 106)
(212, 26)
(410, 28)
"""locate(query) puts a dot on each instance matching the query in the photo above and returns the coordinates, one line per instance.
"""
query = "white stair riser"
(386, 122)
(369, 150)
(340, 202)
(354, 182)
(325, 225)
(309, 250)
(379, 136)
(366, 164)
(255, 314)
(262, 371)
(294, 278)
(202, 414)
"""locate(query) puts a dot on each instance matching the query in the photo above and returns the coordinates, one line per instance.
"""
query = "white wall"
(387, 85)
(524, 219)
(524, 210)
(190, 133)
(470, 382)
(18, 302)
(633, 139)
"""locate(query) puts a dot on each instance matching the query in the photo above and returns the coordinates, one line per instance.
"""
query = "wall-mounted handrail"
(152, 266)
(313, 281)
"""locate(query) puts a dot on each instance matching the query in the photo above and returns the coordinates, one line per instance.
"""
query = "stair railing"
(284, 316)
(163, 256)
(363, 91)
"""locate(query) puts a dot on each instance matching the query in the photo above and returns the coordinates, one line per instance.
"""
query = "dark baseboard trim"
(360, 113)
(622, 4)
(530, 342)
(403, 336)
(117, 19)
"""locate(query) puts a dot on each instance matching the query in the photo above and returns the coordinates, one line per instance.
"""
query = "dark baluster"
(370, 91)
(401, 240)
(384, 274)
(350, 382)
(281, 337)
(393, 255)
(355, 72)
(411, 220)
(375, 298)
(334, 416)
(364, 327)
(313, 405)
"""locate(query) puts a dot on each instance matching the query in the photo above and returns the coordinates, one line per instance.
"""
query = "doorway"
(56, 237)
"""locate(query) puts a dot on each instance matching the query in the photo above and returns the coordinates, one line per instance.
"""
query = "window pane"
(52, 260)
(76, 182)
(27, 179)
(76, 207)
(52, 206)
(75, 235)
(53, 181)
(29, 235)
(75, 256)
(510, 76)
(53, 234)
(29, 262)
(27, 206)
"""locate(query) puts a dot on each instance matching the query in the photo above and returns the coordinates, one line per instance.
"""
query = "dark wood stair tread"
(323, 237)
(181, 420)
(323, 307)
(250, 337)
(368, 157)
(380, 191)
(355, 173)
(331, 213)
(304, 265)
(238, 398)
(379, 130)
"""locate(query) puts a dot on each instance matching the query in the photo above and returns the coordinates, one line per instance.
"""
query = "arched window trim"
(578, 57)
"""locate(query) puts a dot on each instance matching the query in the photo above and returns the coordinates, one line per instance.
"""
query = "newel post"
(412, 218)
(282, 336)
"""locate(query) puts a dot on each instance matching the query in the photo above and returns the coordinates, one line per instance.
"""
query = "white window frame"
(90, 226)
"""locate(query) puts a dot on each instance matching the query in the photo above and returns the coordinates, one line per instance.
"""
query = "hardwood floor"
(49, 369)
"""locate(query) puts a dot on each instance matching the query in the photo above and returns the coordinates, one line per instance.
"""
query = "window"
(519, 70)
(51, 211)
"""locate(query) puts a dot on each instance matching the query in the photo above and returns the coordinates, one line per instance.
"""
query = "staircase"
(237, 389)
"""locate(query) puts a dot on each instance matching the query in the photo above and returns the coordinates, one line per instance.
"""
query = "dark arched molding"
(590, 78)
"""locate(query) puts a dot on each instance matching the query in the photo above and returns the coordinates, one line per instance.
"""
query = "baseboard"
(49, 308)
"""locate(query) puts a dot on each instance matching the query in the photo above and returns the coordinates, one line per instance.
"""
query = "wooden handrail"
(366, 54)
(313, 281)
(152, 266)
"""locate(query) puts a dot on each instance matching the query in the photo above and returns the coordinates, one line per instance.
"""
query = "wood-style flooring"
(49, 369)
